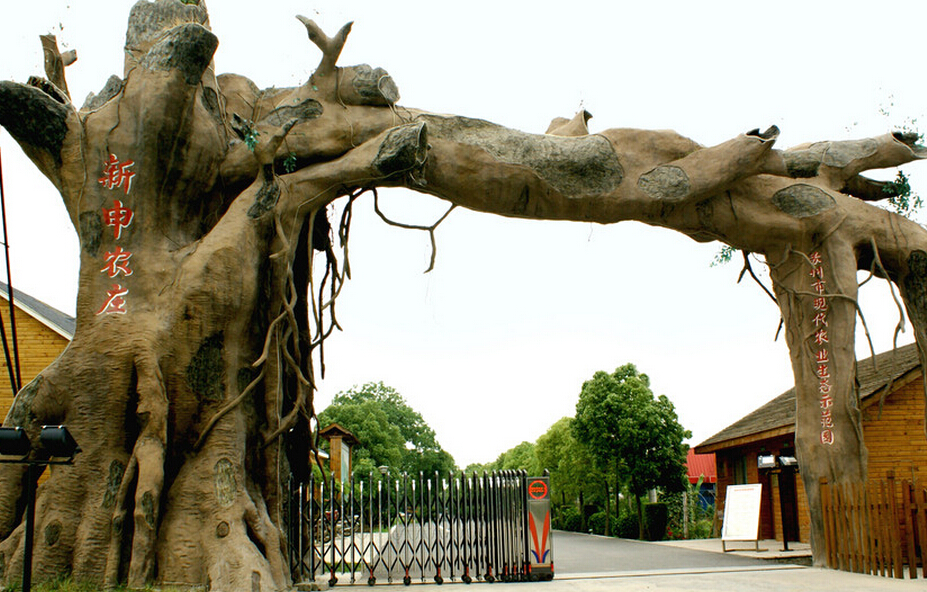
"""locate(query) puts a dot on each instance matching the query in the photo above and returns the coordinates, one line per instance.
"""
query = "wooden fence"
(877, 528)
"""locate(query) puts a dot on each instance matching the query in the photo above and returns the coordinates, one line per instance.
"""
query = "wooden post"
(853, 527)
(840, 535)
(885, 555)
(920, 496)
(828, 531)
(867, 522)
(685, 514)
(895, 526)
(830, 534)
(906, 492)
(334, 456)
(864, 528)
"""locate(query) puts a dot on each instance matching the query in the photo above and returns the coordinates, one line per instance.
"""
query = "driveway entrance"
(576, 553)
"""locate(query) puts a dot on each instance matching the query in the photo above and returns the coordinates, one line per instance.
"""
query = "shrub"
(568, 518)
(701, 529)
(627, 526)
(655, 518)
(597, 523)
(700, 512)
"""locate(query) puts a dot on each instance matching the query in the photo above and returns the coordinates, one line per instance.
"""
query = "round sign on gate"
(537, 489)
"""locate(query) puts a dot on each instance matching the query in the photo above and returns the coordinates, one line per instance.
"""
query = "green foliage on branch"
(250, 135)
(289, 163)
(902, 199)
(723, 256)
(389, 432)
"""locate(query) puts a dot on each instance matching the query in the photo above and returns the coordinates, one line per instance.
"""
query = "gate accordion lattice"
(441, 527)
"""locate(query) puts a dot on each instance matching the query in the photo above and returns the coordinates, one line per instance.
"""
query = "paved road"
(576, 553)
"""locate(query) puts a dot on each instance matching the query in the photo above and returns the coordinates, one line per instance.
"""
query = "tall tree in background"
(520, 457)
(629, 430)
(573, 471)
(389, 432)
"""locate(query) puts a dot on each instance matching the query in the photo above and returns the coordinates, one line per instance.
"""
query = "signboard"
(539, 540)
(741, 514)
(345, 462)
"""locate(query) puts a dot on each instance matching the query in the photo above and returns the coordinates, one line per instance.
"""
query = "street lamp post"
(779, 466)
(56, 447)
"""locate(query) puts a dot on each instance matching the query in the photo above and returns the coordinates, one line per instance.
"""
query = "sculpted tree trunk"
(200, 202)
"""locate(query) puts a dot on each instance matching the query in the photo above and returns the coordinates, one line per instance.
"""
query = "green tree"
(573, 472)
(517, 458)
(478, 468)
(631, 432)
(389, 432)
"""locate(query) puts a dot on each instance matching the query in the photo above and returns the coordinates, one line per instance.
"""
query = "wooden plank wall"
(38, 347)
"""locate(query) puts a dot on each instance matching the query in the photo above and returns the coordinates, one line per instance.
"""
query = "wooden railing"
(879, 528)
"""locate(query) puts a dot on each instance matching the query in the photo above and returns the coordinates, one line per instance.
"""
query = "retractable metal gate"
(442, 527)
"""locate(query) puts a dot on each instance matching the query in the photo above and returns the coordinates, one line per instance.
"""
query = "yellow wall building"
(891, 391)
(42, 333)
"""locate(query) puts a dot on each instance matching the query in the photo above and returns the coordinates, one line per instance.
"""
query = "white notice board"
(741, 512)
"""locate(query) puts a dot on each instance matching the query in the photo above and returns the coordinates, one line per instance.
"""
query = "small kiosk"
(340, 442)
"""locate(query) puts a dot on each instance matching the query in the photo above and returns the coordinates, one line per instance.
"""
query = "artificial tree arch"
(210, 272)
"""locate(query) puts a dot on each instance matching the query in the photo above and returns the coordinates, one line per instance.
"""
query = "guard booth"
(442, 527)
(340, 442)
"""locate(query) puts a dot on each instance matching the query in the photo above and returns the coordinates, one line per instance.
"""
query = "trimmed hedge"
(656, 516)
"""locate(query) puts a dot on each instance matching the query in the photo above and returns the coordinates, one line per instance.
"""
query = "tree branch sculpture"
(200, 202)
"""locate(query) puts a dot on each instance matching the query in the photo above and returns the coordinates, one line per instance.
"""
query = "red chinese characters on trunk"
(820, 346)
(119, 217)
(117, 174)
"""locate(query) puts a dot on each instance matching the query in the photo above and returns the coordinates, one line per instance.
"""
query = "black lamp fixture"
(56, 447)
(57, 442)
(766, 461)
(14, 442)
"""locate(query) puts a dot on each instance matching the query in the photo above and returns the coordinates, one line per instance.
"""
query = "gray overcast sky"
(493, 346)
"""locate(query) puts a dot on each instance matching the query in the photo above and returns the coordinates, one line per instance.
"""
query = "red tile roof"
(701, 464)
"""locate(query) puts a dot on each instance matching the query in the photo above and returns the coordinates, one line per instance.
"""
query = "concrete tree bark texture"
(201, 206)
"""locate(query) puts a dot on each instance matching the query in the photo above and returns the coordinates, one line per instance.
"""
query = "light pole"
(56, 447)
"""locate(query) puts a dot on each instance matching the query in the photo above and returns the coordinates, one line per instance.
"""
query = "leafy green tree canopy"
(622, 422)
(573, 471)
(517, 458)
(389, 432)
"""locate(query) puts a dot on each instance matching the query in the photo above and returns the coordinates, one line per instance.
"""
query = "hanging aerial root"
(877, 259)
(231, 405)
(838, 296)
(344, 230)
(263, 528)
(268, 338)
(749, 269)
(114, 554)
(290, 419)
(430, 229)
(794, 293)
(899, 327)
